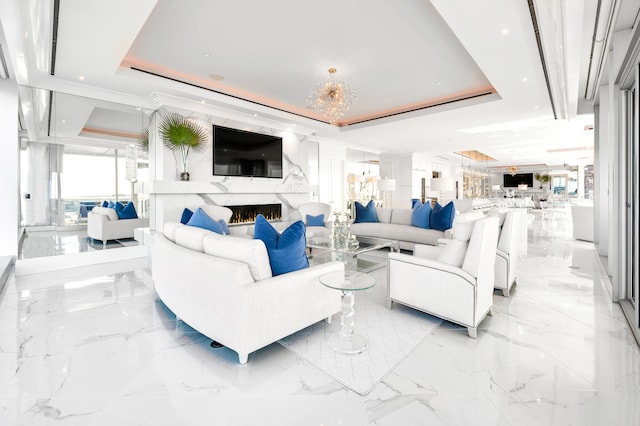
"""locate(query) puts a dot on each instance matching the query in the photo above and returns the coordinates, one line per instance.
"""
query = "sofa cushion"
(191, 237)
(186, 215)
(249, 251)
(286, 250)
(202, 220)
(397, 232)
(217, 212)
(453, 253)
(315, 220)
(126, 212)
(366, 214)
(106, 211)
(169, 230)
(384, 214)
(442, 217)
(420, 215)
(401, 216)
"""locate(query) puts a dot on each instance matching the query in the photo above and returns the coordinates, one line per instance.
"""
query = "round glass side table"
(346, 341)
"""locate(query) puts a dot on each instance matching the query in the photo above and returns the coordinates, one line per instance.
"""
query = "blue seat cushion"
(287, 250)
(315, 220)
(442, 217)
(366, 214)
(202, 220)
(421, 214)
(126, 212)
(186, 215)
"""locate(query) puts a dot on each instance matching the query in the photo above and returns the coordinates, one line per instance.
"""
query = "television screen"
(512, 181)
(241, 153)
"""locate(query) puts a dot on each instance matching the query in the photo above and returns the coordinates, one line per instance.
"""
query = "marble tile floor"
(61, 242)
(93, 346)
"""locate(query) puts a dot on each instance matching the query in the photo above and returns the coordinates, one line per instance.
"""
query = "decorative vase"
(184, 176)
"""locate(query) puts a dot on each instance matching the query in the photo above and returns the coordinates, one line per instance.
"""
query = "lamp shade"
(441, 184)
(495, 187)
(522, 187)
(387, 184)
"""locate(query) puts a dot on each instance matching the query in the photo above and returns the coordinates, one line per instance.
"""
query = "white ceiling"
(432, 76)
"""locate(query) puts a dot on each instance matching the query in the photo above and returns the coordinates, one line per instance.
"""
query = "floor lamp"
(441, 185)
(387, 186)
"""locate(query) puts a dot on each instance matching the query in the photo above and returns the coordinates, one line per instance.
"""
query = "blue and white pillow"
(201, 220)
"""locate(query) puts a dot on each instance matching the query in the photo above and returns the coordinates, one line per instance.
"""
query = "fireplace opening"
(246, 214)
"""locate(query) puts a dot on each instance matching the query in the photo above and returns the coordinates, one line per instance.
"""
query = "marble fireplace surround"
(169, 198)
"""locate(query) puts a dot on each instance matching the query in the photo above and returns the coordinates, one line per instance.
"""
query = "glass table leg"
(346, 341)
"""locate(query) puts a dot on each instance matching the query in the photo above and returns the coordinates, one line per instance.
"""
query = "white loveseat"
(103, 224)
(222, 286)
(395, 224)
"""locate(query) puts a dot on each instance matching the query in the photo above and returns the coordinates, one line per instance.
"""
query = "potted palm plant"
(182, 136)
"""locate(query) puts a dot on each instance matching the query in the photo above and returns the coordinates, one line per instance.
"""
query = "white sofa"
(460, 294)
(103, 224)
(222, 286)
(395, 224)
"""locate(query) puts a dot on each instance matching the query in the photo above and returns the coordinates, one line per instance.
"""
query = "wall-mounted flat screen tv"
(241, 153)
(512, 181)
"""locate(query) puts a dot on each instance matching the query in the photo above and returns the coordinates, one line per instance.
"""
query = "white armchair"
(453, 287)
(316, 209)
(508, 252)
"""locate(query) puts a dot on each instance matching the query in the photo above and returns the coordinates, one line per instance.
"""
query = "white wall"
(9, 169)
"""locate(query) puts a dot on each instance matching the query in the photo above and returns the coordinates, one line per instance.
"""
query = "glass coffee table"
(324, 246)
(346, 341)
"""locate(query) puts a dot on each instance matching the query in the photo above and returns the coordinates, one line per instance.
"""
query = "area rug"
(391, 333)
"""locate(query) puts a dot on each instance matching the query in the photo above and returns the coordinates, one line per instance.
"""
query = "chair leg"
(473, 332)
(490, 312)
(505, 292)
(389, 303)
(328, 319)
(104, 244)
(243, 358)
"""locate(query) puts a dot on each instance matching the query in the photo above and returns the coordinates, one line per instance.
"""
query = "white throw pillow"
(217, 212)
(191, 237)
(453, 253)
(249, 251)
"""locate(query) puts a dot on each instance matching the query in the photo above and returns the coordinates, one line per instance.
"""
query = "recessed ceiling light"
(63, 121)
(81, 77)
(535, 107)
(524, 79)
(206, 55)
(216, 77)
(505, 31)
(202, 101)
(438, 83)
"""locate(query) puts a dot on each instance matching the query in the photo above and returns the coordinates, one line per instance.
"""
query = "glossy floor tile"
(58, 243)
(93, 346)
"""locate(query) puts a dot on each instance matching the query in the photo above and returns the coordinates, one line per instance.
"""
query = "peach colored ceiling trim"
(476, 155)
(199, 82)
(107, 132)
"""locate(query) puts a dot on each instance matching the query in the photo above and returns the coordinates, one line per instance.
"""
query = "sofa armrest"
(448, 234)
(433, 264)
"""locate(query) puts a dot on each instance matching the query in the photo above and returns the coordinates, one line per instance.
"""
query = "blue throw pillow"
(366, 214)
(126, 212)
(224, 226)
(111, 205)
(421, 214)
(287, 250)
(442, 217)
(315, 220)
(202, 220)
(186, 215)
(105, 203)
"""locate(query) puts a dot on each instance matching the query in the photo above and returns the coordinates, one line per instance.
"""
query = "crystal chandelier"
(332, 98)
(513, 170)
